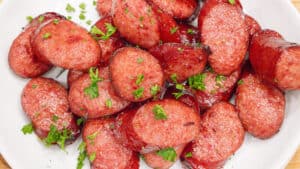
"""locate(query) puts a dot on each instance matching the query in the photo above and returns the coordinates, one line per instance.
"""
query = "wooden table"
(294, 163)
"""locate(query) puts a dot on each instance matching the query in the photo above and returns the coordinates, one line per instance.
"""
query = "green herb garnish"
(139, 79)
(154, 90)
(82, 155)
(168, 154)
(108, 103)
(197, 81)
(138, 93)
(27, 129)
(174, 30)
(159, 113)
(69, 8)
(92, 90)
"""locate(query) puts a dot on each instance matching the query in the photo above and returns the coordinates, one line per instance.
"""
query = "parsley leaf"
(220, 79)
(54, 118)
(174, 77)
(177, 95)
(188, 155)
(139, 79)
(240, 82)
(80, 121)
(181, 88)
(108, 103)
(27, 129)
(89, 22)
(56, 21)
(197, 81)
(82, 155)
(154, 90)
(94, 2)
(232, 2)
(82, 6)
(191, 31)
(110, 30)
(168, 154)
(41, 18)
(159, 113)
(92, 90)
(92, 156)
(138, 93)
(174, 30)
(69, 8)
(29, 19)
(55, 136)
(140, 60)
(81, 16)
(47, 35)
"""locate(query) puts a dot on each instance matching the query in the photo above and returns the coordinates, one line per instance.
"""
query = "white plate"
(27, 152)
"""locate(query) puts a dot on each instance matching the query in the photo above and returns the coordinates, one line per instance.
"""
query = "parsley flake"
(220, 79)
(188, 155)
(154, 90)
(110, 30)
(174, 30)
(41, 18)
(92, 156)
(108, 103)
(138, 93)
(82, 6)
(69, 8)
(159, 113)
(174, 77)
(82, 155)
(168, 154)
(92, 90)
(240, 82)
(80, 121)
(81, 16)
(197, 81)
(54, 118)
(94, 3)
(29, 19)
(140, 60)
(56, 21)
(232, 2)
(69, 17)
(55, 136)
(47, 35)
(139, 79)
(34, 86)
(191, 31)
(89, 22)
(27, 129)
(177, 95)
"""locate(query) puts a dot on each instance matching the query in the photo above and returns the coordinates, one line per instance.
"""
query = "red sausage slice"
(73, 75)
(223, 29)
(275, 60)
(109, 45)
(106, 103)
(100, 143)
(180, 9)
(134, 72)
(141, 130)
(217, 88)
(180, 60)
(67, 45)
(45, 102)
(261, 106)
(21, 58)
(135, 20)
(155, 161)
(104, 7)
(252, 24)
(221, 134)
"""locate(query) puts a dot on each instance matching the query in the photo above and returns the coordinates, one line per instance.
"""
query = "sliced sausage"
(261, 106)
(73, 75)
(100, 143)
(136, 20)
(66, 45)
(157, 125)
(111, 44)
(217, 88)
(252, 24)
(180, 60)
(235, 2)
(181, 9)
(45, 102)
(104, 7)
(155, 161)
(221, 135)
(223, 29)
(134, 72)
(275, 60)
(21, 57)
(106, 103)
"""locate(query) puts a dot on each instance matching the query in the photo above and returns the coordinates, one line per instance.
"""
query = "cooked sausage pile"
(145, 82)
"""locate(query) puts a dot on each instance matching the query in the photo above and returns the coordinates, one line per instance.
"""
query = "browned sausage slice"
(106, 103)
(134, 73)
(223, 29)
(21, 58)
(261, 106)
(104, 7)
(221, 134)
(136, 20)
(216, 88)
(155, 161)
(103, 148)
(275, 60)
(45, 102)
(180, 60)
(180, 9)
(156, 125)
(67, 45)
(111, 44)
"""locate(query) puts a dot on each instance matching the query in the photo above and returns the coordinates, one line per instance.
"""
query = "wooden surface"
(294, 163)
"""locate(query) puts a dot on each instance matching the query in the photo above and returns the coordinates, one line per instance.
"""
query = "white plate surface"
(27, 152)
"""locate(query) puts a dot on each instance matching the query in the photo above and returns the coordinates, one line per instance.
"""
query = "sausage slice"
(103, 148)
(221, 134)
(104, 7)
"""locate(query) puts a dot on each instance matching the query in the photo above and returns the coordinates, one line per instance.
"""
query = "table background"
(294, 163)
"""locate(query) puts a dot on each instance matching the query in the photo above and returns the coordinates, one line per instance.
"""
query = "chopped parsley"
(92, 90)
(27, 129)
(80, 121)
(82, 155)
(110, 30)
(159, 113)
(34, 86)
(82, 6)
(138, 93)
(54, 118)
(94, 2)
(177, 95)
(181, 88)
(92, 156)
(168, 154)
(139, 79)
(197, 81)
(55, 136)
(140, 60)
(89, 22)
(41, 18)
(69, 17)
(108, 103)
(47, 35)
(126, 10)
(232, 2)
(220, 79)
(174, 30)
(191, 31)
(69, 8)
(56, 21)
(174, 77)
(180, 50)
(154, 90)
(141, 19)
(188, 155)
(81, 16)
(240, 82)
(29, 19)
(92, 136)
